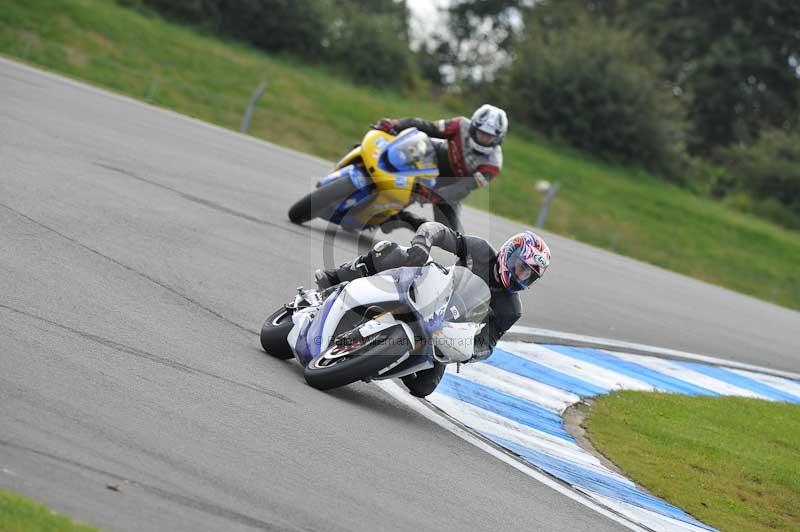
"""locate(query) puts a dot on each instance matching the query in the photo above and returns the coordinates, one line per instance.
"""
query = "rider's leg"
(405, 219)
(383, 256)
(347, 271)
(448, 214)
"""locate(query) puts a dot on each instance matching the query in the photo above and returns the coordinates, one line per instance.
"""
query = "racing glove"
(424, 194)
(479, 355)
(387, 125)
(416, 255)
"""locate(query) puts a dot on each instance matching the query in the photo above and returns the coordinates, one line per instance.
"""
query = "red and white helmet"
(522, 260)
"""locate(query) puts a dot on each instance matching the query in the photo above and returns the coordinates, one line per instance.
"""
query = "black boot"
(325, 278)
(402, 219)
(348, 271)
(422, 383)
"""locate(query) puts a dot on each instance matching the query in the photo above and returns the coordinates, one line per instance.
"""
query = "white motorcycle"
(386, 326)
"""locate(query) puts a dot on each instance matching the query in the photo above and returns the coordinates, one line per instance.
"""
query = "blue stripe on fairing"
(504, 360)
(307, 350)
(588, 479)
(508, 406)
(656, 379)
(741, 381)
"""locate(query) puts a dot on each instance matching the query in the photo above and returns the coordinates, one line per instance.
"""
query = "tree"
(433, 59)
(480, 35)
(594, 86)
(734, 61)
(367, 38)
(770, 169)
(372, 47)
(299, 27)
(277, 25)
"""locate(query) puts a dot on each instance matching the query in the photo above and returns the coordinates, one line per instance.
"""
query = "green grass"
(18, 514)
(732, 462)
(311, 109)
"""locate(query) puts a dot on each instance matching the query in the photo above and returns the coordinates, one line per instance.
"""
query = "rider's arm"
(503, 314)
(485, 173)
(488, 169)
(441, 129)
(426, 126)
(432, 234)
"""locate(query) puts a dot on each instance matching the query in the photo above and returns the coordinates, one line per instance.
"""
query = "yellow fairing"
(391, 194)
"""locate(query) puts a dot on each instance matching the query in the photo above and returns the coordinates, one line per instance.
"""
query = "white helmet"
(487, 128)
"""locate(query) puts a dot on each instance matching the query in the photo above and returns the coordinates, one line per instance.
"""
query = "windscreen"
(469, 301)
(412, 151)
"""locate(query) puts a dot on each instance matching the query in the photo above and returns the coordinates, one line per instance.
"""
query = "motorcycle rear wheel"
(274, 332)
(322, 202)
(351, 363)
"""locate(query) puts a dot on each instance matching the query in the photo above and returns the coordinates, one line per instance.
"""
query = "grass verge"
(731, 462)
(18, 514)
(623, 209)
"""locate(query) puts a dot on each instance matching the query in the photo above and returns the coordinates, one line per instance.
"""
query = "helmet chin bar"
(479, 147)
(485, 138)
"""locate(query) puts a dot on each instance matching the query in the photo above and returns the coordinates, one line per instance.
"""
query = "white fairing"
(301, 319)
(431, 291)
(365, 291)
(430, 295)
(382, 322)
(456, 342)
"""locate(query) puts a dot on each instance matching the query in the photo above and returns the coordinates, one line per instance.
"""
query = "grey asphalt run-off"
(139, 253)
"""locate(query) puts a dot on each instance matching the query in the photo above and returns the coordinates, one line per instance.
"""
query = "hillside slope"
(311, 109)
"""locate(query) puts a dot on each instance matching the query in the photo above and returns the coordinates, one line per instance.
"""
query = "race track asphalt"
(139, 253)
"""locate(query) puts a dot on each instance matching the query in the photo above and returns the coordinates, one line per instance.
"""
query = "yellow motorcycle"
(376, 180)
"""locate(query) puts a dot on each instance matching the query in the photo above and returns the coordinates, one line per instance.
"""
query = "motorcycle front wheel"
(274, 332)
(353, 361)
(322, 202)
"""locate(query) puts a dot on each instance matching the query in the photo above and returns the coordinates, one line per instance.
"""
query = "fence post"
(26, 52)
(151, 90)
(248, 113)
(550, 191)
(614, 240)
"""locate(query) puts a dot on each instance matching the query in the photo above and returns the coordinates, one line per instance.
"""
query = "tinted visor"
(485, 139)
(521, 275)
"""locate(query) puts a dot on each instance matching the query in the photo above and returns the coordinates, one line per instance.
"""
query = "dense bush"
(368, 39)
(735, 62)
(373, 47)
(734, 57)
(195, 11)
(710, 179)
(770, 170)
(588, 85)
(270, 24)
(277, 24)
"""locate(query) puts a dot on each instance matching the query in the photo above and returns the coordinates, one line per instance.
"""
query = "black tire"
(423, 383)
(365, 363)
(321, 202)
(274, 332)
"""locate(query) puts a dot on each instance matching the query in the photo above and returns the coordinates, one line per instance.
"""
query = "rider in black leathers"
(520, 262)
